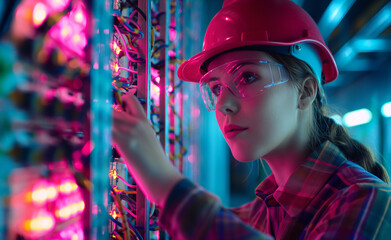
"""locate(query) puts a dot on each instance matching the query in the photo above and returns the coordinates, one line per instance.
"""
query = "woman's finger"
(133, 106)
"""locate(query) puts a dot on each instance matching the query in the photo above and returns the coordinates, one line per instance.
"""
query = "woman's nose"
(227, 102)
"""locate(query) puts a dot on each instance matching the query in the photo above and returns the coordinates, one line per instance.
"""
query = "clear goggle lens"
(245, 78)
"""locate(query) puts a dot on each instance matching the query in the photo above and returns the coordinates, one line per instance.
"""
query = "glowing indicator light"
(386, 109)
(39, 14)
(70, 210)
(114, 67)
(80, 17)
(113, 174)
(156, 90)
(39, 195)
(171, 53)
(172, 34)
(114, 214)
(58, 5)
(43, 223)
(42, 192)
(73, 232)
(65, 31)
(68, 187)
(115, 48)
(52, 193)
(76, 38)
(358, 117)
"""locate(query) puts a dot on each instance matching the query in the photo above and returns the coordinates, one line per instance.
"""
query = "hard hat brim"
(190, 70)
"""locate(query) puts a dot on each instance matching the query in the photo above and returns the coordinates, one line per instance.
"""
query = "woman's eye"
(216, 89)
(247, 78)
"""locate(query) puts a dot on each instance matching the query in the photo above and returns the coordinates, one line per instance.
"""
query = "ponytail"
(324, 128)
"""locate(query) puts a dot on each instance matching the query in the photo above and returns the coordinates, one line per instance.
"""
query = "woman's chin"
(245, 157)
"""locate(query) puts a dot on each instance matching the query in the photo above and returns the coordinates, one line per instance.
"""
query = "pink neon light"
(78, 15)
(74, 231)
(171, 53)
(77, 160)
(58, 5)
(39, 224)
(172, 34)
(70, 31)
(155, 93)
(40, 14)
(87, 149)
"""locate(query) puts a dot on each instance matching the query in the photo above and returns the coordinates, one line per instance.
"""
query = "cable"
(116, 235)
(130, 212)
(117, 202)
(125, 45)
(127, 184)
(137, 9)
(127, 69)
(115, 188)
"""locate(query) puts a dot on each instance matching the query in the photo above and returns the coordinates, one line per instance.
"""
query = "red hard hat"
(268, 25)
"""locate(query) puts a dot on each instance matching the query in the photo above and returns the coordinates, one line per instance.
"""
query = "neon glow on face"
(254, 126)
(244, 78)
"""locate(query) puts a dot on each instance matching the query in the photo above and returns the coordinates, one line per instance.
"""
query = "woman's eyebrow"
(213, 79)
(238, 66)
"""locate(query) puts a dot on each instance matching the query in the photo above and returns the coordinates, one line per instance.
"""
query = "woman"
(261, 70)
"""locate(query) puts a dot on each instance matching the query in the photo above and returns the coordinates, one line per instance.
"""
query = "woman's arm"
(136, 142)
(190, 212)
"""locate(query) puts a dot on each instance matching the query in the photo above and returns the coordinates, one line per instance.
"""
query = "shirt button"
(272, 202)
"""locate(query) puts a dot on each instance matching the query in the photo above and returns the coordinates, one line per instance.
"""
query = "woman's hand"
(136, 142)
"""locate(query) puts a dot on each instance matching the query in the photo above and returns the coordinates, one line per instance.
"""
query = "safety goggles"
(244, 78)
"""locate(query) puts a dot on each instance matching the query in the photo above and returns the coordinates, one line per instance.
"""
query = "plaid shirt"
(327, 197)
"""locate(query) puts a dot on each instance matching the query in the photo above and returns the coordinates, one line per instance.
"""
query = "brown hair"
(324, 128)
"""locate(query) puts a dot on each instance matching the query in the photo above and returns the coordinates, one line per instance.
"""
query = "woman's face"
(261, 125)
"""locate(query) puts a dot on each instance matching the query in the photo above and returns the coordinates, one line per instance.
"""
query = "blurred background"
(64, 65)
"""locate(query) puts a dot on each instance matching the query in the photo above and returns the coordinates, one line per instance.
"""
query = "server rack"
(69, 67)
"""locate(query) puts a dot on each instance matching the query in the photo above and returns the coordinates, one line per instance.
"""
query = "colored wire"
(129, 200)
(127, 184)
(116, 222)
(130, 212)
(125, 45)
(137, 9)
(117, 202)
(138, 235)
(127, 69)
(115, 188)
(131, 43)
(129, 19)
(131, 15)
(116, 235)
(158, 48)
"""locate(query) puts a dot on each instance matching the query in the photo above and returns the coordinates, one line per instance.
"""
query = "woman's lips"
(230, 131)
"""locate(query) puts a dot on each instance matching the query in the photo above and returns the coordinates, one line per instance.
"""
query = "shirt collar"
(307, 180)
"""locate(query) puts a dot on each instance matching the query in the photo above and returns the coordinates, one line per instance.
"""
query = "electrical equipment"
(64, 67)
(145, 55)
(45, 127)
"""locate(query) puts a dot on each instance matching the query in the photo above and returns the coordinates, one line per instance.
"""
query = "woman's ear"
(308, 93)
